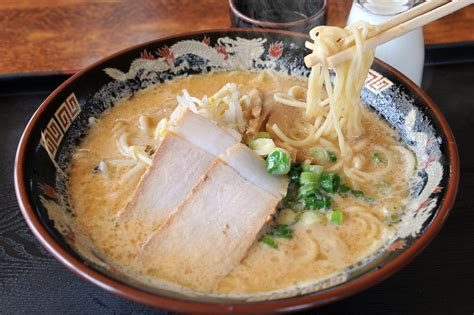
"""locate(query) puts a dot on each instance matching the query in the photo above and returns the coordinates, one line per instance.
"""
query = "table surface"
(439, 281)
(52, 35)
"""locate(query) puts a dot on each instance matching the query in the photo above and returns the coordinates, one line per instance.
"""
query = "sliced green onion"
(336, 217)
(294, 173)
(377, 158)
(282, 231)
(327, 202)
(294, 176)
(315, 201)
(344, 189)
(318, 169)
(309, 177)
(323, 155)
(320, 154)
(308, 189)
(358, 193)
(278, 162)
(330, 182)
(267, 240)
(262, 146)
(311, 203)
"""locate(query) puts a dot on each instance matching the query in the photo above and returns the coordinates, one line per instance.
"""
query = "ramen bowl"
(62, 120)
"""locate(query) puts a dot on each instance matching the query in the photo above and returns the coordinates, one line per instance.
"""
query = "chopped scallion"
(294, 173)
(262, 146)
(336, 217)
(320, 154)
(327, 202)
(344, 189)
(282, 231)
(267, 240)
(323, 155)
(377, 158)
(316, 201)
(332, 156)
(308, 189)
(313, 202)
(309, 177)
(318, 169)
(330, 182)
(278, 162)
(358, 193)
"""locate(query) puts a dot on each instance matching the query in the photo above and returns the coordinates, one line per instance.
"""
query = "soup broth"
(101, 182)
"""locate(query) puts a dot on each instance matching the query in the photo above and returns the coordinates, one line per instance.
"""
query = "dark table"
(438, 281)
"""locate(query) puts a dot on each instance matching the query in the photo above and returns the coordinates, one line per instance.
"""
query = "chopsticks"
(397, 26)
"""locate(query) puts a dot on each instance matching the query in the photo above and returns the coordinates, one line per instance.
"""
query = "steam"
(279, 10)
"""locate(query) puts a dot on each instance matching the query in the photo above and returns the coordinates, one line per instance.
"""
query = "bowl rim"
(267, 24)
(317, 298)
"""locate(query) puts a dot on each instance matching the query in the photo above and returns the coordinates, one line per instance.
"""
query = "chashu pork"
(252, 167)
(214, 227)
(187, 151)
(162, 188)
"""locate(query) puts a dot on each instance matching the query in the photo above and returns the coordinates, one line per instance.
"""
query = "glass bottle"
(406, 53)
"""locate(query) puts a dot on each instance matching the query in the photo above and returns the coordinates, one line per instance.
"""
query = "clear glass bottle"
(406, 53)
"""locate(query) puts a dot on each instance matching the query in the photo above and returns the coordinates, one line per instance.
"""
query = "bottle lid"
(386, 7)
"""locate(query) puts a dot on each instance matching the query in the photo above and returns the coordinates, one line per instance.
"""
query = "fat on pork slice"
(215, 226)
(180, 161)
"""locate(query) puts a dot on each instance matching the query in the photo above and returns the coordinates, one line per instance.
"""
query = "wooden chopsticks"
(397, 26)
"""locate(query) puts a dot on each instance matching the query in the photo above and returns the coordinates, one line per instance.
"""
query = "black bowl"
(60, 122)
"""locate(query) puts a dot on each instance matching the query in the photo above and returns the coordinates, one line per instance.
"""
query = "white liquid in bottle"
(406, 53)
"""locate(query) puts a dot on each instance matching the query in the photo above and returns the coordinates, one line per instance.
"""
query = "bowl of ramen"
(214, 172)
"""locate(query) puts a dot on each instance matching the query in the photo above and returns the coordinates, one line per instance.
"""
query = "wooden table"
(51, 35)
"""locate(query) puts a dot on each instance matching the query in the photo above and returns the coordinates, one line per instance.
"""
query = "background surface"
(65, 35)
(42, 35)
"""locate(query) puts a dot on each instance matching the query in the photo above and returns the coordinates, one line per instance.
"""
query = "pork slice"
(204, 133)
(189, 148)
(252, 167)
(176, 167)
(211, 232)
